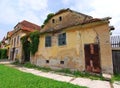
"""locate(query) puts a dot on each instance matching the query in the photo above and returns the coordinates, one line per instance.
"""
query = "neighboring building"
(21, 29)
(76, 41)
(3, 43)
(8, 37)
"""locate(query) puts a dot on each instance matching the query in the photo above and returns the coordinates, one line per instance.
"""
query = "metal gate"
(115, 43)
(116, 60)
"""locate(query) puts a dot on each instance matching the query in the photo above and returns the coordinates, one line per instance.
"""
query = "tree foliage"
(3, 53)
(34, 37)
(49, 16)
(32, 44)
(25, 44)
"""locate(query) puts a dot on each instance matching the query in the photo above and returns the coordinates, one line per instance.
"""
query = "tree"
(49, 16)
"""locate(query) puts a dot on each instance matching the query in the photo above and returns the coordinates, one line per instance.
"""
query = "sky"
(35, 11)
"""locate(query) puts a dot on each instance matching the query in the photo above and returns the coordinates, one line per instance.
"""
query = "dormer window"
(53, 20)
(60, 18)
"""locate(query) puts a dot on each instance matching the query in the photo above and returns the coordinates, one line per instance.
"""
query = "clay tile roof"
(68, 9)
(3, 40)
(9, 33)
(62, 11)
(28, 26)
(92, 20)
(96, 20)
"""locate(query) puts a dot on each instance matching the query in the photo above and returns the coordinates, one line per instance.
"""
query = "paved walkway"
(79, 81)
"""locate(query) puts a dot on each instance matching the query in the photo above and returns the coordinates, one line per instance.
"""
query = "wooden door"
(92, 59)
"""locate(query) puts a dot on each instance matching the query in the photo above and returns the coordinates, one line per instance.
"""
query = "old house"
(76, 41)
(2, 43)
(21, 29)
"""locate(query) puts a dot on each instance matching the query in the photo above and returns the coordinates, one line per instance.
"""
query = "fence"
(115, 43)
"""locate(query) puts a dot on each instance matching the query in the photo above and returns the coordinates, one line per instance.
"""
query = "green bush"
(49, 16)
(65, 70)
(29, 65)
(34, 37)
(31, 46)
(116, 77)
(3, 53)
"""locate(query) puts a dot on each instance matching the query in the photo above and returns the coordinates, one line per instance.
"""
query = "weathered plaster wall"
(73, 52)
(68, 19)
(17, 46)
(105, 49)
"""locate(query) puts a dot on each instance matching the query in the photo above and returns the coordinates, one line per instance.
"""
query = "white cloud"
(66, 2)
(78, 5)
(2, 34)
(98, 9)
(12, 12)
(104, 8)
(33, 4)
(7, 13)
(23, 9)
(31, 16)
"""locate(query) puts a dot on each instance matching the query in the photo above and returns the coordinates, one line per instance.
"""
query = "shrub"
(34, 37)
(3, 53)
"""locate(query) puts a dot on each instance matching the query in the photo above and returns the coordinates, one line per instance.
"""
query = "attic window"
(47, 61)
(53, 20)
(60, 18)
(61, 62)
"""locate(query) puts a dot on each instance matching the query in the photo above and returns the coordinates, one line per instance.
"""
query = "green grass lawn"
(12, 78)
(116, 77)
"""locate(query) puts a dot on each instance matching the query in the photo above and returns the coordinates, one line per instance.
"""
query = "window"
(61, 62)
(62, 39)
(47, 41)
(47, 61)
(18, 40)
(60, 18)
(14, 41)
(53, 20)
(16, 52)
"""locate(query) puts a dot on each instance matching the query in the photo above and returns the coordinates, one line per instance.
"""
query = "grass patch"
(116, 77)
(88, 75)
(66, 71)
(12, 78)
(29, 65)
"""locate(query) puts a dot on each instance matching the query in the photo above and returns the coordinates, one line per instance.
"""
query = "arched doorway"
(26, 52)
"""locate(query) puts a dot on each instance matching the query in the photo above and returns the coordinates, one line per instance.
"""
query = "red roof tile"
(29, 26)
(9, 33)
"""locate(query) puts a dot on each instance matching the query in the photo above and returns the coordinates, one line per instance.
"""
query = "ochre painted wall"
(73, 52)
(18, 46)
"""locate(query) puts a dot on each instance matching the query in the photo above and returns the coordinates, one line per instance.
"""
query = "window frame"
(60, 18)
(53, 20)
(48, 41)
(62, 39)
(18, 38)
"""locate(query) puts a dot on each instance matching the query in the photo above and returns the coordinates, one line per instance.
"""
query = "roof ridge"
(29, 22)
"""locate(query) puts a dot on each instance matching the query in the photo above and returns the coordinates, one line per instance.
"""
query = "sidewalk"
(79, 81)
